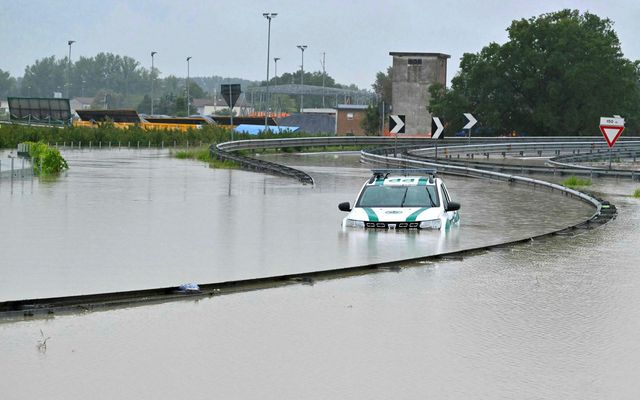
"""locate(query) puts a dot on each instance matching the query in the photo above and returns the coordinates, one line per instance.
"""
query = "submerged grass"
(203, 154)
(574, 182)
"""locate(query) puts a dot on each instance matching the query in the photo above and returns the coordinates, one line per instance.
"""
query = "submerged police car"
(402, 199)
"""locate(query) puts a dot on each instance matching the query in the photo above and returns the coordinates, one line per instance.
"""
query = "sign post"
(230, 93)
(611, 128)
(436, 131)
(396, 125)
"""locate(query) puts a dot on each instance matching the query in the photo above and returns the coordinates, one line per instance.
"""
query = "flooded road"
(555, 318)
(133, 219)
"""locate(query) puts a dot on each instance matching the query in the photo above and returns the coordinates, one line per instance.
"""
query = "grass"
(203, 154)
(636, 194)
(574, 182)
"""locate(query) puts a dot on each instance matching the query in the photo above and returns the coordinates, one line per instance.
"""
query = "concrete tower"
(413, 74)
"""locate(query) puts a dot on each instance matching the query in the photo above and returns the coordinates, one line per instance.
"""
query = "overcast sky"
(229, 38)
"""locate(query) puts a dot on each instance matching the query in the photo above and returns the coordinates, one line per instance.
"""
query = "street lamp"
(153, 53)
(302, 47)
(268, 16)
(188, 108)
(275, 61)
(70, 42)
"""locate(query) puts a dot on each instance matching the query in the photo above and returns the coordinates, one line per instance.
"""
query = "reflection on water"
(552, 319)
(130, 219)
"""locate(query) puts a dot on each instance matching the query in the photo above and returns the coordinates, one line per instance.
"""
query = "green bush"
(636, 194)
(46, 159)
(575, 182)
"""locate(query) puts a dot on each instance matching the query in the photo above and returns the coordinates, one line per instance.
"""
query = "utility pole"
(70, 42)
(323, 75)
(275, 61)
(302, 48)
(188, 105)
(153, 53)
(269, 17)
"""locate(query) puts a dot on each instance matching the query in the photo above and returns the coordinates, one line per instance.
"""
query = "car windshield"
(399, 196)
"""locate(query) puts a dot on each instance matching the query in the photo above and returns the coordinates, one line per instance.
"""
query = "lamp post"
(153, 53)
(275, 61)
(70, 42)
(323, 76)
(302, 47)
(275, 73)
(269, 17)
(188, 105)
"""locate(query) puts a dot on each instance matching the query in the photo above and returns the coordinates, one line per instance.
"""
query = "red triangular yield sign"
(611, 133)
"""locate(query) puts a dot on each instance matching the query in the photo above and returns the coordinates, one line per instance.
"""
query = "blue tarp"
(256, 129)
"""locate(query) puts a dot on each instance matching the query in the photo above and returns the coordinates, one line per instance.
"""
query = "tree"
(145, 105)
(371, 121)
(195, 91)
(44, 77)
(382, 85)
(557, 74)
(7, 84)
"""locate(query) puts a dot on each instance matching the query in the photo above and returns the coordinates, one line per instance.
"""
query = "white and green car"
(402, 199)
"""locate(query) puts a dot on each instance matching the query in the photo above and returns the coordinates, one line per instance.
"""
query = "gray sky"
(229, 38)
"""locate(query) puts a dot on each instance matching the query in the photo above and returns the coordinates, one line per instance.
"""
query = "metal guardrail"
(15, 167)
(261, 165)
(421, 147)
(592, 150)
(394, 162)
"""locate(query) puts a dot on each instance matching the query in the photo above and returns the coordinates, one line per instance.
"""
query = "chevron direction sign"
(471, 119)
(611, 128)
(396, 124)
(437, 128)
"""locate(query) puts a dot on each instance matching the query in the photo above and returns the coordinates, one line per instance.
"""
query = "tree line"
(115, 81)
(556, 75)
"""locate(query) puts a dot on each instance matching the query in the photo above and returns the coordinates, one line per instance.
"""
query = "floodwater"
(132, 219)
(555, 318)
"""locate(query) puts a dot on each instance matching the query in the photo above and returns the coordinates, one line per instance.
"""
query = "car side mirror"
(453, 206)
(344, 206)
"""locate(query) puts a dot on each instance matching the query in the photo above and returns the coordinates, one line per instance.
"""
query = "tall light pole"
(269, 17)
(323, 75)
(302, 48)
(153, 53)
(70, 42)
(275, 61)
(275, 73)
(188, 105)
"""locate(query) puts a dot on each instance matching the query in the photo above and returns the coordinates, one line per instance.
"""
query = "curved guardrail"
(423, 147)
(580, 151)
(261, 165)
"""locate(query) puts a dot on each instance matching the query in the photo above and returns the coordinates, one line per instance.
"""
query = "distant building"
(210, 107)
(348, 118)
(413, 74)
(81, 103)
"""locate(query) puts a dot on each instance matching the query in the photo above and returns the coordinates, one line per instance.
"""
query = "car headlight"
(431, 224)
(352, 223)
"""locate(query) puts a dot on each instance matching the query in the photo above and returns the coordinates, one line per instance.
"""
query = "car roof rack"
(384, 173)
